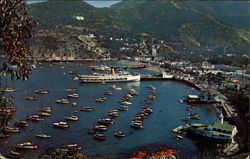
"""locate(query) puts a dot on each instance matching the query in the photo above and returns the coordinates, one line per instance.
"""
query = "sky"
(96, 3)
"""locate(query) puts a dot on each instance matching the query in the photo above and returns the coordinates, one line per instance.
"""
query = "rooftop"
(220, 126)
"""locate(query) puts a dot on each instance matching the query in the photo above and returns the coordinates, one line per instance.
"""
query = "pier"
(155, 78)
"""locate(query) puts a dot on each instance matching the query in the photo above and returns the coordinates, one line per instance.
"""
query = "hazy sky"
(96, 3)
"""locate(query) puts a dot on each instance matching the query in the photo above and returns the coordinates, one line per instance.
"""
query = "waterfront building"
(219, 131)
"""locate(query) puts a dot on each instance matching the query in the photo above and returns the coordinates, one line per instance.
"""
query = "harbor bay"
(167, 114)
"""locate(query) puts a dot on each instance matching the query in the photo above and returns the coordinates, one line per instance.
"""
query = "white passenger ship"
(112, 77)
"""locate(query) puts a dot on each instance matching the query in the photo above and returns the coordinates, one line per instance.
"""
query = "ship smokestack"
(112, 70)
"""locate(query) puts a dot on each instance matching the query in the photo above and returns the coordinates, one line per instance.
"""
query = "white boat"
(126, 103)
(112, 77)
(34, 117)
(119, 134)
(9, 89)
(11, 130)
(43, 113)
(43, 135)
(26, 145)
(73, 146)
(106, 121)
(22, 123)
(61, 124)
(72, 118)
(41, 91)
(74, 95)
(47, 109)
(62, 101)
(137, 125)
(101, 127)
(30, 98)
(87, 109)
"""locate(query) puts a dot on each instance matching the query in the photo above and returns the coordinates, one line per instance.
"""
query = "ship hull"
(110, 80)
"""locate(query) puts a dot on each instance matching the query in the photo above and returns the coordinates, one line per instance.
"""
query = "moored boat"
(22, 123)
(100, 137)
(119, 134)
(11, 130)
(74, 95)
(106, 121)
(111, 77)
(61, 124)
(72, 118)
(43, 135)
(30, 98)
(108, 93)
(100, 127)
(34, 117)
(87, 109)
(137, 125)
(41, 91)
(42, 113)
(63, 101)
(9, 89)
(26, 145)
(74, 146)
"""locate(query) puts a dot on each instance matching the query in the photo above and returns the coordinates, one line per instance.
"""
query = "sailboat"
(30, 97)
(42, 113)
(8, 89)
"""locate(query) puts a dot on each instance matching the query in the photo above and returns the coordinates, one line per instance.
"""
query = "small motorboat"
(108, 93)
(101, 99)
(119, 134)
(71, 89)
(26, 145)
(118, 88)
(62, 101)
(112, 86)
(148, 110)
(177, 137)
(87, 109)
(123, 108)
(100, 127)
(137, 125)
(22, 123)
(30, 98)
(11, 130)
(42, 113)
(100, 137)
(72, 72)
(75, 78)
(113, 114)
(73, 104)
(106, 121)
(41, 91)
(74, 95)
(43, 135)
(61, 124)
(72, 118)
(34, 117)
(181, 101)
(47, 109)
(9, 89)
(74, 146)
(126, 103)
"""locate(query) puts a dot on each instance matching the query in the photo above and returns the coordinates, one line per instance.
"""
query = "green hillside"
(203, 27)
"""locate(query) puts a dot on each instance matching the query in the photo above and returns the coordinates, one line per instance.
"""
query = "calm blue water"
(167, 115)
